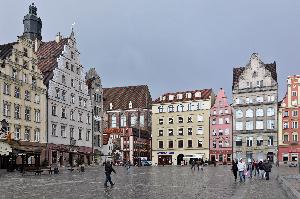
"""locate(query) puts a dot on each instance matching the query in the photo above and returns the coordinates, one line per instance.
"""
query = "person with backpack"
(108, 170)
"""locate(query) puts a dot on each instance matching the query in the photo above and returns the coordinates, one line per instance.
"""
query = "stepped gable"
(205, 94)
(6, 50)
(237, 72)
(121, 96)
(48, 53)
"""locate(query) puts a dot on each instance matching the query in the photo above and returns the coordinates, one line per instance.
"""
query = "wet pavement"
(140, 182)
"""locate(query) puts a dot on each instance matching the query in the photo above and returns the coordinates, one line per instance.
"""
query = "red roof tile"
(121, 96)
(205, 94)
(48, 53)
(6, 50)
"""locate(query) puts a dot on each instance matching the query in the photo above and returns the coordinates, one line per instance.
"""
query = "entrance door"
(179, 159)
(270, 156)
(213, 158)
(165, 160)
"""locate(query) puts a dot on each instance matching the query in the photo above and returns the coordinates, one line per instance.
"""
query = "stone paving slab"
(140, 182)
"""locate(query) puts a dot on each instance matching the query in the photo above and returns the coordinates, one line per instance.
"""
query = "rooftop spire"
(32, 24)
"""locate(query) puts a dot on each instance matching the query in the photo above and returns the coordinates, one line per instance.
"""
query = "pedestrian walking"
(234, 168)
(250, 169)
(201, 164)
(198, 164)
(267, 167)
(277, 163)
(255, 167)
(261, 169)
(108, 170)
(193, 165)
(242, 169)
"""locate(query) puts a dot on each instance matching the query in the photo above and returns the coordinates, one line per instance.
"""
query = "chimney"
(58, 37)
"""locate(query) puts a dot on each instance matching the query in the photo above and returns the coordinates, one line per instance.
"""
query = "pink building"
(220, 148)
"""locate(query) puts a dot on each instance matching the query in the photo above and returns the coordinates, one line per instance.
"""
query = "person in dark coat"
(108, 170)
(234, 169)
(267, 167)
(193, 164)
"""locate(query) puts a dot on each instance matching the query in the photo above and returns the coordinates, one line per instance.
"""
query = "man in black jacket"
(267, 167)
(108, 170)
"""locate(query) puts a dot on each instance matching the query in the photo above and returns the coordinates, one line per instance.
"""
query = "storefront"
(165, 158)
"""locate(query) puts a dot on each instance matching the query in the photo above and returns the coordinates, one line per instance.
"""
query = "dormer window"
(164, 98)
(179, 96)
(198, 94)
(189, 95)
(130, 105)
(171, 97)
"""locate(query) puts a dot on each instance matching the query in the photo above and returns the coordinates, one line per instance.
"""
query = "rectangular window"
(190, 131)
(259, 141)
(17, 111)
(161, 121)
(27, 95)
(295, 125)
(214, 121)
(220, 132)
(71, 133)
(190, 143)
(270, 140)
(180, 143)
(63, 113)
(27, 113)
(37, 135)
(160, 132)
(220, 144)
(220, 120)
(27, 135)
(63, 131)
(249, 141)
(180, 131)
(17, 133)
(286, 113)
(88, 135)
(79, 134)
(161, 144)
(171, 133)
(53, 110)
(227, 120)
(238, 141)
(285, 157)
(249, 125)
(285, 125)
(285, 138)
(295, 137)
(17, 92)
(239, 126)
(295, 113)
(37, 115)
(214, 144)
(294, 93)
(6, 90)
(170, 144)
(54, 129)
(260, 99)
(190, 119)
(171, 120)
(200, 143)
(199, 118)
(200, 130)
(142, 119)
(259, 124)
(6, 109)
(271, 124)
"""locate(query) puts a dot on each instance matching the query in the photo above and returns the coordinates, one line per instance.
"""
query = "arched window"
(249, 113)
(259, 112)
(113, 121)
(239, 114)
(123, 120)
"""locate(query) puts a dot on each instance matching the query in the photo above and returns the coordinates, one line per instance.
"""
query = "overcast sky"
(170, 45)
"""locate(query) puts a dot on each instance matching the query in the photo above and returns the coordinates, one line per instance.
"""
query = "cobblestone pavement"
(292, 175)
(140, 182)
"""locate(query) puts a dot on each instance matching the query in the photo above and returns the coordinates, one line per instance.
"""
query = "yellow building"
(23, 95)
(180, 127)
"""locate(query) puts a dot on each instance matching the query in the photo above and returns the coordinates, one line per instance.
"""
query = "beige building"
(23, 94)
(180, 127)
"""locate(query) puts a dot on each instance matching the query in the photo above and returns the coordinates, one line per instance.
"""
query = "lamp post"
(72, 144)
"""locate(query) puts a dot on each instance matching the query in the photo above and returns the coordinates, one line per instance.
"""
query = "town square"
(149, 99)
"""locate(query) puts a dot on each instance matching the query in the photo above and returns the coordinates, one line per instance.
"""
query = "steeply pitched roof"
(121, 96)
(48, 53)
(237, 72)
(6, 50)
(205, 94)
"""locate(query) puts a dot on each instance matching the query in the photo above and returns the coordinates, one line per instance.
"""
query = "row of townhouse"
(52, 109)
(198, 124)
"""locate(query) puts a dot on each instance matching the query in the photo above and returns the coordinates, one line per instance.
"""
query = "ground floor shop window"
(294, 157)
(228, 157)
(285, 157)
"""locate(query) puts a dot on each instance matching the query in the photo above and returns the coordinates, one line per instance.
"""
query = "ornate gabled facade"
(69, 105)
(288, 124)
(23, 96)
(128, 109)
(255, 95)
(221, 130)
(93, 82)
(180, 127)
